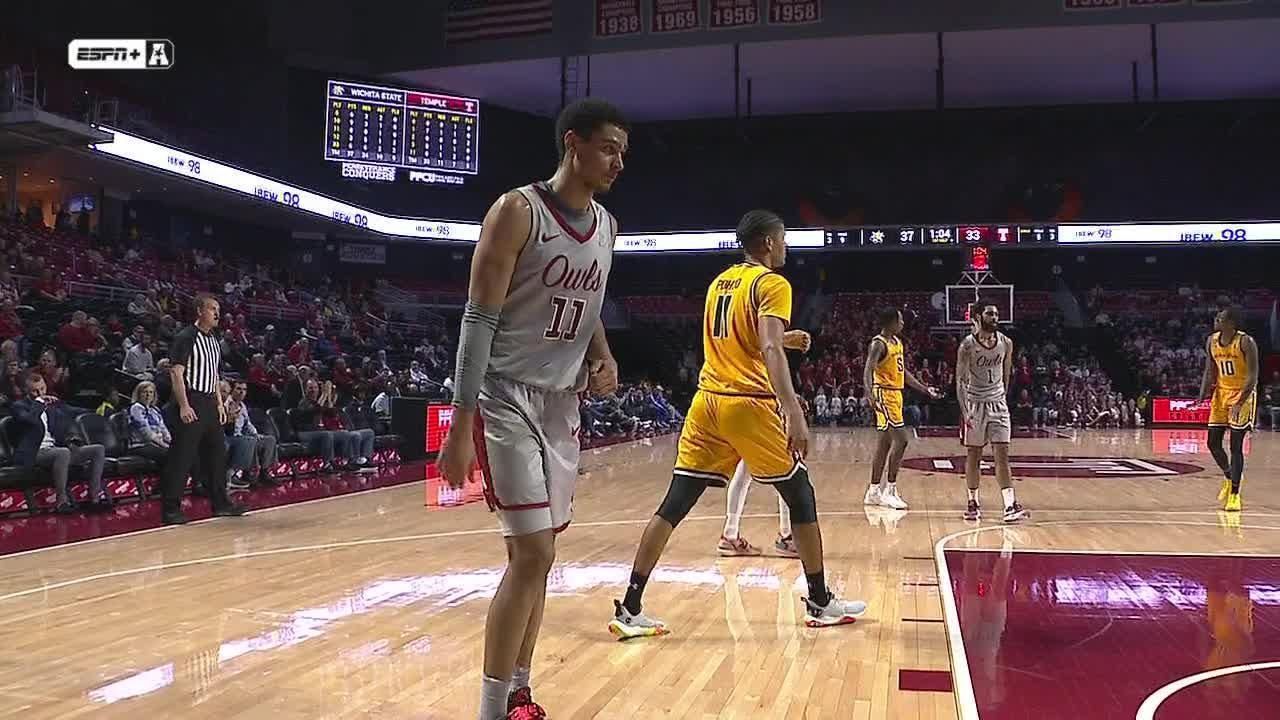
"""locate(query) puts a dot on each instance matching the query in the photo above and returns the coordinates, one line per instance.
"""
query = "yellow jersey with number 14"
(1229, 359)
(890, 372)
(733, 363)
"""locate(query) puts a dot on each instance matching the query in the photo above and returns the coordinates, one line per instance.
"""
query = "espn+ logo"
(105, 54)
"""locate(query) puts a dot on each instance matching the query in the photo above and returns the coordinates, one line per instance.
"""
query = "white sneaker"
(626, 626)
(873, 495)
(836, 612)
(891, 499)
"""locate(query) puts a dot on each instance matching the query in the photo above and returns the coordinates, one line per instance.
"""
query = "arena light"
(199, 168)
(1169, 233)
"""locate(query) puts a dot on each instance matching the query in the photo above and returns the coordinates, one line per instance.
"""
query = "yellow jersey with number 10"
(1229, 359)
(733, 363)
(890, 373)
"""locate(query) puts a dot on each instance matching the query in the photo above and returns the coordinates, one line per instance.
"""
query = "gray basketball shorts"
(986, 422)
(527, 447)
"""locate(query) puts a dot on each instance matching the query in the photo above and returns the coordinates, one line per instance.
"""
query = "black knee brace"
(681, 497)
(797, 493)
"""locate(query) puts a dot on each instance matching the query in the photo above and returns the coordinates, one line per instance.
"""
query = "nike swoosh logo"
(549, 238)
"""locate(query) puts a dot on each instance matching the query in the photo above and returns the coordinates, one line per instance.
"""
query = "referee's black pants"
(200, 443)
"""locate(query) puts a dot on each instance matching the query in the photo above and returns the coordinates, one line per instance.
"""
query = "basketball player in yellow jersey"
(884, 376)
(745, 408)
(1231, 369)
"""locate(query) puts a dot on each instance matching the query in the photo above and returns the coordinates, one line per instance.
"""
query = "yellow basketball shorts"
(1220, 414)
(891, 400)
(722, 429)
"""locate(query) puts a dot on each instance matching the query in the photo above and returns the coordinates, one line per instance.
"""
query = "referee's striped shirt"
(200, 355)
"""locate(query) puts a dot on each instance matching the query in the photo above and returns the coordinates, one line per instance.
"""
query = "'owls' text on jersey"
(556, 292)
(986, 368)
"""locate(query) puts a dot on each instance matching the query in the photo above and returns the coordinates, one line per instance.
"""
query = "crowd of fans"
(339, 352)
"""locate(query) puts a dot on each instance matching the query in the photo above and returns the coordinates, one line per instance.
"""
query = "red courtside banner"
(439, 417)
(1187, 411)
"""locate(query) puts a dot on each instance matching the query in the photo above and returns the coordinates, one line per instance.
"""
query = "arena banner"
(363, 254)
(1187, 411)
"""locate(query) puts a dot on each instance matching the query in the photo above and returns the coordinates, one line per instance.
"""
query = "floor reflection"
(431, 594)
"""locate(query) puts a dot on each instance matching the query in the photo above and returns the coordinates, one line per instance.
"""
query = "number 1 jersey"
(733, 362)
(556, 293)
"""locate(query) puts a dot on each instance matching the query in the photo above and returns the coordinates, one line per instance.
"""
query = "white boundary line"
(282, 506)
(1147, 711)
(966, 701)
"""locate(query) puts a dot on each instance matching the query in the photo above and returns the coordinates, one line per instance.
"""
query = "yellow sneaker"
(1233, 503)
(1225, 491)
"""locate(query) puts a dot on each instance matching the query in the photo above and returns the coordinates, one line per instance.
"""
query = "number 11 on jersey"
(720, 325)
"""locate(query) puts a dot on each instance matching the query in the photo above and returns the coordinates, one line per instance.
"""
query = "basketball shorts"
(720, 430)
(986, 422)
(527, 447)
(1220, 414)
(891, 400)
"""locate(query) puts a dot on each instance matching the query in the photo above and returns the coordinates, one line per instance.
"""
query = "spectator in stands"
(355, 443)
(382, 408)
(138, 361)
(11, 383)
(149, 437)
(307, 419)
(1024, 410)
(56, 378)
(822, 411)
(133, 338)
(75, 336)
(138, 307)
(245, 444)
(47, 439)
(49, 288)
(8, 288)
(295, 388)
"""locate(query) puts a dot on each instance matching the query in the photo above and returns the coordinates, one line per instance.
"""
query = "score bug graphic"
(129, 54)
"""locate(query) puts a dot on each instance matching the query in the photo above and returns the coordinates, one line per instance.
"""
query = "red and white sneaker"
(736, 547)
(520, 706)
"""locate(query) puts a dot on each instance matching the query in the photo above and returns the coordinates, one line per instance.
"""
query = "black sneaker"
(973, 512)
(230, 510)
(173, 518)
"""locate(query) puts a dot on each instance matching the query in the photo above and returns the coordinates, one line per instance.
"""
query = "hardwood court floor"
(370, 605)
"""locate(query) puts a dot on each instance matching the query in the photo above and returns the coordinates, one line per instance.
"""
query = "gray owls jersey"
(986, 369)
(553, 303)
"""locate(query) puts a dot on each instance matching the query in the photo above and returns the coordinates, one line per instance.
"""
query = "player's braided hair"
(755, 226)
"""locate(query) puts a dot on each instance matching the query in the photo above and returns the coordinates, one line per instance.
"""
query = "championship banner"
(795, 12)
(672, 16)
(727, 14)
(363, 254)
(1073, 5)
(615, 18)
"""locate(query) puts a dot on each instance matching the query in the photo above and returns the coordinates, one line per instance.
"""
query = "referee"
(198, 420)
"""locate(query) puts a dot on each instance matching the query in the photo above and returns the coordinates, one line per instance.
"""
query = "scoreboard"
(373, 130)
(907, 236)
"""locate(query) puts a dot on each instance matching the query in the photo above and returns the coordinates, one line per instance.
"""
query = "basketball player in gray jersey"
(531, 340)
(983, 367)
